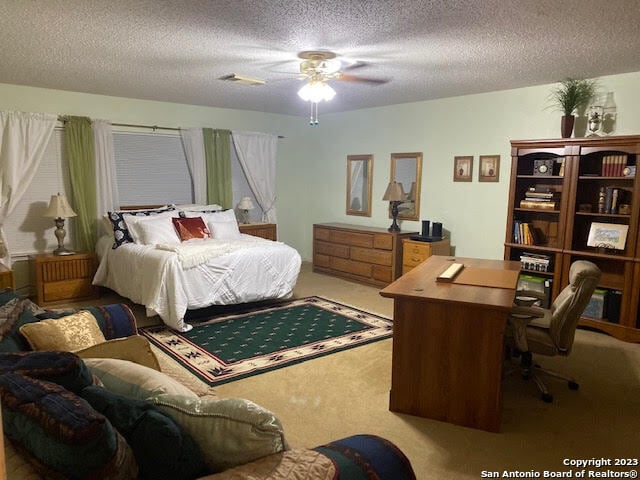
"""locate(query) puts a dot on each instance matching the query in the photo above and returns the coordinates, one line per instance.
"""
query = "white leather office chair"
(551, 331)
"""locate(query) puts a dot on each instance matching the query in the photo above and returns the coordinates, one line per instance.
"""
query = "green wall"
(474, 213)
(311, 172)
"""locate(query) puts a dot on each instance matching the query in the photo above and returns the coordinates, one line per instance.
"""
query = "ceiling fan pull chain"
(313, 117)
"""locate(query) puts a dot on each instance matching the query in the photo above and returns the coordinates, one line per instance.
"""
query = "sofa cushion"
(62, 368)
(161, 447)
(135, 348)
(132, 380)
(61, 433)
(229, 431)
(73, 332)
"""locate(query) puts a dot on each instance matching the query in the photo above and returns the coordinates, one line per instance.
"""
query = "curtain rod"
(152, 127)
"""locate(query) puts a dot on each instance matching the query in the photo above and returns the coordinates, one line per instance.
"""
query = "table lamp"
(394, 195)
(59, 209)
(244, 206)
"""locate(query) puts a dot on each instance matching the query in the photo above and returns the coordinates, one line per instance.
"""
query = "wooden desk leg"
(447, 362)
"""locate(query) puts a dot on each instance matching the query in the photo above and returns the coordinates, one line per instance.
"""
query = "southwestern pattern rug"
(241, 345)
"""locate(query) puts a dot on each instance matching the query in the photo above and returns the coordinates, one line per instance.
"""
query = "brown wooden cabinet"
(6, 278)
(581, 172)
(364, 254)
(65, 278)
(415, 252)
(263, 230)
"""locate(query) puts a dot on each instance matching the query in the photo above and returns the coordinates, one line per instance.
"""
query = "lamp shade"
(316, 91)
(245, 203)
(59, 207)
(394, 192)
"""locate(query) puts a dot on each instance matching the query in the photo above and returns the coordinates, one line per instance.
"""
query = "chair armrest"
(519, 317)
(528, 297)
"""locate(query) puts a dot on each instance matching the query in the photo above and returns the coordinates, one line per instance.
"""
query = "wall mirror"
(406, 169)
(359, 173)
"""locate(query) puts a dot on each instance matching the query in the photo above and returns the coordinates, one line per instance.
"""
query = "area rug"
(232, 347)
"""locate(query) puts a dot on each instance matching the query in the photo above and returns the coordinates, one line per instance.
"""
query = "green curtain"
(78, 141)
(217, 152)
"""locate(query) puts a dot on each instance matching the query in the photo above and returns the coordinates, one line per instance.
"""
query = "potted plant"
(570, 95)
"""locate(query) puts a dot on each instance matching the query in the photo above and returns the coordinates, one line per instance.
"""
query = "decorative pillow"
(62, 433)
(189, 228)
(132, 380)
(230, 431)
(121, 233)
(136, 349)
(64, 368)
(115, 320)
(161, 447)
(215, 217)
(152, 229)
(73, 332)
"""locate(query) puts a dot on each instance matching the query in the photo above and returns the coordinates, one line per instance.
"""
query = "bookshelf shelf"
(590, 190)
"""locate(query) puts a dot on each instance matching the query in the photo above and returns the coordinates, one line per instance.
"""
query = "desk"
(448, 343)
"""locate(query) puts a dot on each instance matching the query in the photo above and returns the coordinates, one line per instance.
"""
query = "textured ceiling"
(175, 51)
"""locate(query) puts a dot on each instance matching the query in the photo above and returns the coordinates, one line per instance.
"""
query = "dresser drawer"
(332, 249)
(349, 266)
(380, 257)
(384, 274)
(352, 238)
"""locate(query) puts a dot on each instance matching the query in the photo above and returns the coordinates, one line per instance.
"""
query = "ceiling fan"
(320, 66)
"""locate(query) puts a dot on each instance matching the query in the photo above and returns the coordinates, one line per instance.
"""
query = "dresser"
(415, 252)
(264, 230)
(65, 278)
(368, 255)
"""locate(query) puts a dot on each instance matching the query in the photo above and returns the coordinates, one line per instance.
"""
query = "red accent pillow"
(189, 228)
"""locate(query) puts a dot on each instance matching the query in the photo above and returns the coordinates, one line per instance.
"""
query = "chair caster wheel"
(547, 397)
(573, 386)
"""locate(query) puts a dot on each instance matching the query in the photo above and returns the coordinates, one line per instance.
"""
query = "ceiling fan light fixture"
(316, 91)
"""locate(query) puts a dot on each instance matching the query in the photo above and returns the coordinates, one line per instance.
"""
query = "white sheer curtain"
(23, 140)
(257, 155)
(193, 145)
(107, 194)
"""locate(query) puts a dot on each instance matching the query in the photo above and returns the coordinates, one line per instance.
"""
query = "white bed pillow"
(154, 229)
(222, 225)
(224, 230)
(193, 207)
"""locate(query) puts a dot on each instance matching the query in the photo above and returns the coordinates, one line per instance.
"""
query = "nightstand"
(6, 278)
(65, 278)
(263, 230)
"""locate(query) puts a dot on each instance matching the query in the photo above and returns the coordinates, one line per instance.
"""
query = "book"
(538, 205)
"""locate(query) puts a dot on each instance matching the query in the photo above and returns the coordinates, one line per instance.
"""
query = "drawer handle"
(416, 259)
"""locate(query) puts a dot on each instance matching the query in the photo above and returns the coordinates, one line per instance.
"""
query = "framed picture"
(462, 169)
(489, 168)
(607, 235)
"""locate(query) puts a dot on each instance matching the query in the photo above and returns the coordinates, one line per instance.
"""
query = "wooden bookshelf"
(582, 175)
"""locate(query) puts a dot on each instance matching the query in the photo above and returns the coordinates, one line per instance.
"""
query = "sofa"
(84, 397)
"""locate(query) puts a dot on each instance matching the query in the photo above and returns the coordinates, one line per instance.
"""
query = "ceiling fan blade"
(345, 77)
(354, 66)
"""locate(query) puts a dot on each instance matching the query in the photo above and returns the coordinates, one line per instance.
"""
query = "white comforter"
(169, 281)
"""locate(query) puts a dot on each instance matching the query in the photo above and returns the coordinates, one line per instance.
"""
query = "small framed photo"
(462, 169)
(607, 235)
(489, 170)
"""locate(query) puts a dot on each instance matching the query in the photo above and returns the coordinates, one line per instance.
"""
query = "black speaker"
(437, 230)
(426, 226)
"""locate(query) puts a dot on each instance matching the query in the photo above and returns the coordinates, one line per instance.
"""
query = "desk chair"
(551, 331)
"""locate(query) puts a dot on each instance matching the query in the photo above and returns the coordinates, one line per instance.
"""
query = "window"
(151, 169)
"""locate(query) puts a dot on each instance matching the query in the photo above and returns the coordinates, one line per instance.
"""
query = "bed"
(172, 260)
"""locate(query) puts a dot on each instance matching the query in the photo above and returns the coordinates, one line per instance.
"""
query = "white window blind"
(27, 231)
(151, 169)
